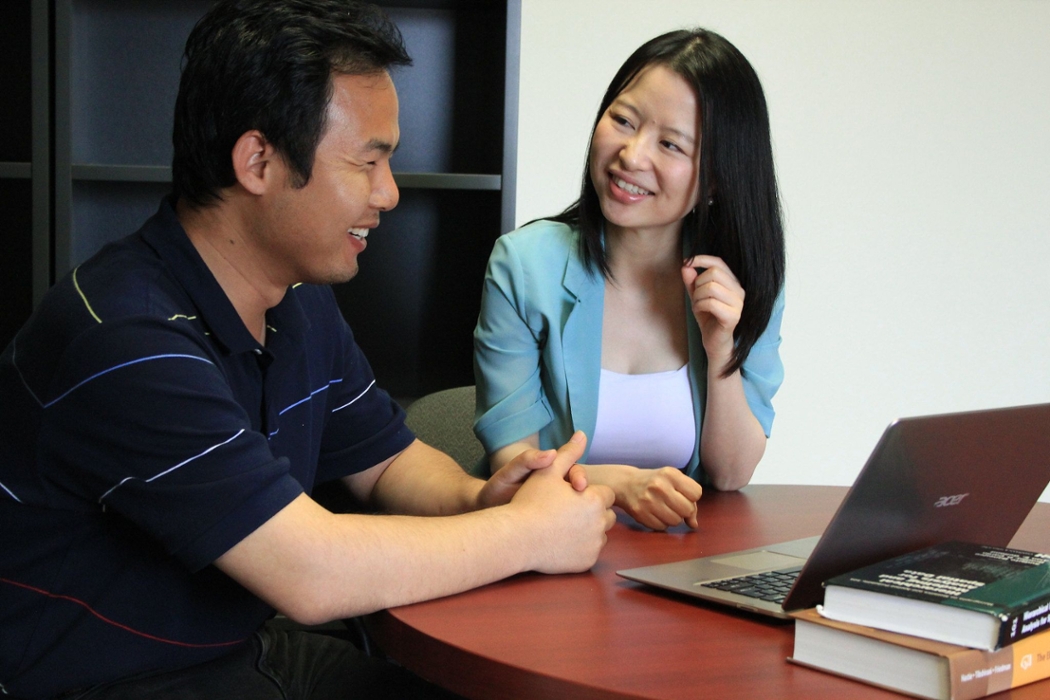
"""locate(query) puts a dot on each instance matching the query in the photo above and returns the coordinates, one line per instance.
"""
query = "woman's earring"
(711, 202)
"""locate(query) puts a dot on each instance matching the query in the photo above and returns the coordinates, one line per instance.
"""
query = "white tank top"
(645, 420)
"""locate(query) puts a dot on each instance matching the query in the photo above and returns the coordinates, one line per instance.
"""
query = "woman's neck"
(643, 329)
(634, 254)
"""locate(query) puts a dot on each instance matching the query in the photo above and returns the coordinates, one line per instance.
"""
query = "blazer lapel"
(698, 385)
(582, 344)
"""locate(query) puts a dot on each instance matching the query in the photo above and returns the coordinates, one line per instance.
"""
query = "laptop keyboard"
(769, 585)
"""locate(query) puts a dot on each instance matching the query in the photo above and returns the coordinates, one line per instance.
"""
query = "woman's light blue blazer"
(537, 346)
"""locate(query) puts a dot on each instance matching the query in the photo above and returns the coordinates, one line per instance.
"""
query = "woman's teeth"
(359, 233)
(629, 188)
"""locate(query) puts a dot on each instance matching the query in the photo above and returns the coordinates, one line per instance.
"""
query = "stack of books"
(953, 621)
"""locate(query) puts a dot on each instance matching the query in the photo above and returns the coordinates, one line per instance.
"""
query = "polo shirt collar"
(164, 233)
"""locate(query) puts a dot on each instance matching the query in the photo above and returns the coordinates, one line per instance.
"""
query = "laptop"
(971, 476)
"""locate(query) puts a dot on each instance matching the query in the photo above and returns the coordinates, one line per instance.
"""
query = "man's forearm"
(424, 481)
(316, 566)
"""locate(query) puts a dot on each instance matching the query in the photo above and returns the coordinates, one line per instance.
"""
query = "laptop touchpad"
(760, 561)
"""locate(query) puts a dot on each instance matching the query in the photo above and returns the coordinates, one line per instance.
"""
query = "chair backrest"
(445, 420)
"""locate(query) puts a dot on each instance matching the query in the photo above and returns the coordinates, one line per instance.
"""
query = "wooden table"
(595, 635)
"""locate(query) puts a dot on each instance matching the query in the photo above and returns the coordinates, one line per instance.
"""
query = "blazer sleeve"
(763, 371)
(511, 404)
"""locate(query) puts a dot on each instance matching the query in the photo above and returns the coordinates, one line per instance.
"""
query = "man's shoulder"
(123, 279)
(113, 299)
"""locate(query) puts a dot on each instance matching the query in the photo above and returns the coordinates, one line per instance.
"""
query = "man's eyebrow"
(381, 146)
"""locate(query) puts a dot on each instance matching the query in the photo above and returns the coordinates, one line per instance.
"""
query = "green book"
(968, 594)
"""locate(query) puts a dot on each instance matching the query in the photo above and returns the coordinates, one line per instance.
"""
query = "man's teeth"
(628, 187)
(361, 233)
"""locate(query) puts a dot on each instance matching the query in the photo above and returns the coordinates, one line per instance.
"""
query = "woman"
(647, 314)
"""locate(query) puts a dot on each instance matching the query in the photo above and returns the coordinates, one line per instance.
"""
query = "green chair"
(445, 420)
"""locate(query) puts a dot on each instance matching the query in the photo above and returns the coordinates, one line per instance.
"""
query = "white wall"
(913, 150)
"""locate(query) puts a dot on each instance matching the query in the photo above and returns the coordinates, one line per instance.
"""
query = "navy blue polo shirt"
(143, 433)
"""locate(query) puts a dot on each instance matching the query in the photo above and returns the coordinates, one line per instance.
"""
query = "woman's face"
(645, 154)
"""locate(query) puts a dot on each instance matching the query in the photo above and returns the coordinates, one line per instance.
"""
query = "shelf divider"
(162, 173)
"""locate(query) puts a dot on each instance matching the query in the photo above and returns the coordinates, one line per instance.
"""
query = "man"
(172, 402)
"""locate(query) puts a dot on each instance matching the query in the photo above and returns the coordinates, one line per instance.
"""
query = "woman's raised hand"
(717, 300)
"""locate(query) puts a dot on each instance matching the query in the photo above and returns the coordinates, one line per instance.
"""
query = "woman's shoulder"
(542, 239)
(536, 260)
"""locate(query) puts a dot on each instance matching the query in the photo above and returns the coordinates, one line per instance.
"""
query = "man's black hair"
(268, 65)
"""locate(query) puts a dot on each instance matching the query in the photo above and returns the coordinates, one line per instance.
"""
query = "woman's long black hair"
(738, 216)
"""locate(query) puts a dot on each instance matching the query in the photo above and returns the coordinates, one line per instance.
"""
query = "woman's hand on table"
(656, 498)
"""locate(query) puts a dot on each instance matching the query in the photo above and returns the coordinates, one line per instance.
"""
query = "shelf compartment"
(16, 171)
(16, 282)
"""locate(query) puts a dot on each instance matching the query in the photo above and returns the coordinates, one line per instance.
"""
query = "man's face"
(314, 234)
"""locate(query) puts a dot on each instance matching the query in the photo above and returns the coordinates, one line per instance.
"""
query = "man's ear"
(255, 162)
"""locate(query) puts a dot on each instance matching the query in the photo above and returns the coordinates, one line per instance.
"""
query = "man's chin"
(333, 277)
(346, 276)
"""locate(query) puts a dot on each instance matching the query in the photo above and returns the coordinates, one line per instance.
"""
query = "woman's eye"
(622, 121)
(672, 146)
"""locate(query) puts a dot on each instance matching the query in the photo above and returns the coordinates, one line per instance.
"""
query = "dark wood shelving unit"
(105, 76)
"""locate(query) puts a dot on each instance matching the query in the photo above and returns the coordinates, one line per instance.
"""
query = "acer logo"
(945, 501)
